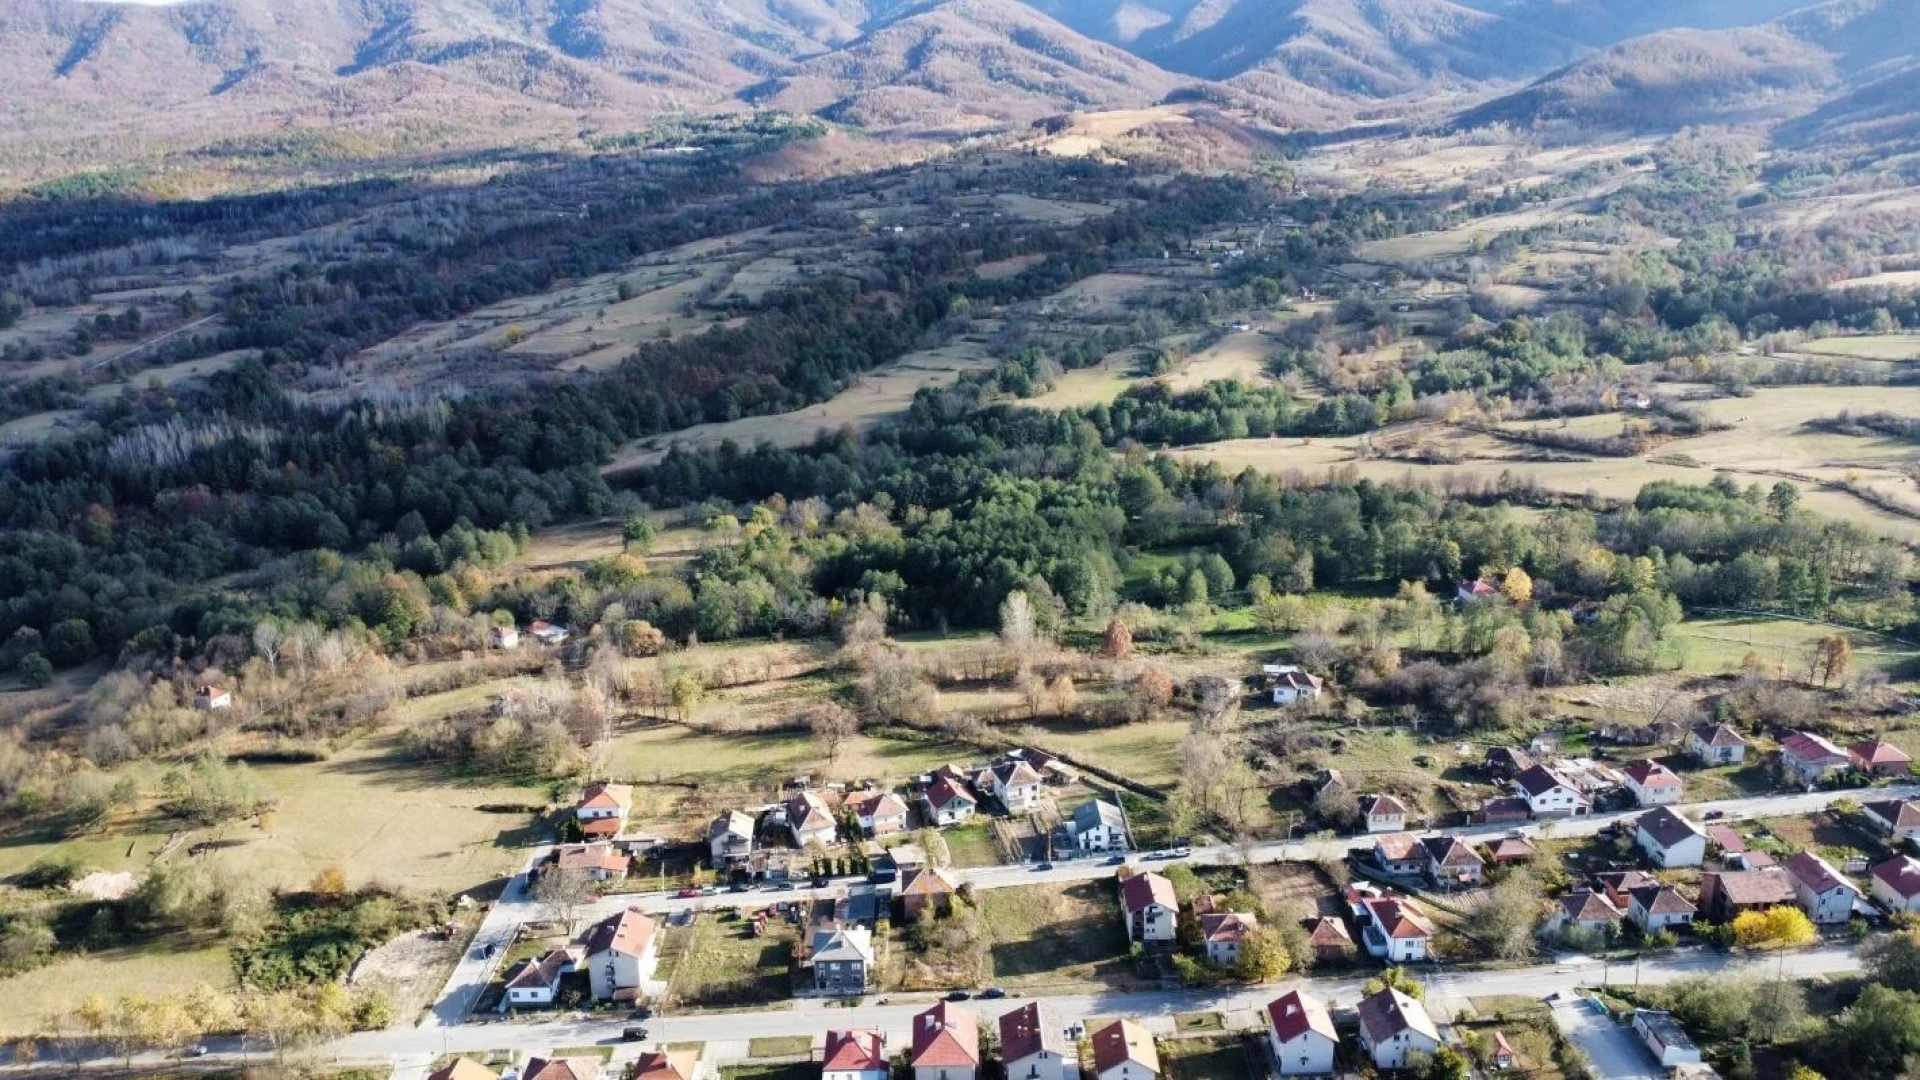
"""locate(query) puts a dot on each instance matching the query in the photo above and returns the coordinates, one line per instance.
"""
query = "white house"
(1291, 684)
(1896, 884)
(1393, 1025)
(1400, 854)
(1451, 861)
(1151, 907)
(622, 952)
(730, 839)
(1475, 591)
(1664, 1038)
(534, 982)
(1584, 910)
(547, 633)
(212, 697)
(946, 1044)
(810, 820)
(1034, 1045)
(1658, 907)
(1669, 839)
(854, 1054)
(1823, 892)
(1549, 794)
(880, 813)
(1222, 933)
(948, 801)
(1123, 1050)
(1652, 783)
(1899, 819)
(1016, 784)
(1099, 826)
(1809, 759)
(600, 861)
(1301, 1034)
(603, 808)
(504, 637)
(1391, 927)
(659, 1065)
(1383, 813)
(1717, 744)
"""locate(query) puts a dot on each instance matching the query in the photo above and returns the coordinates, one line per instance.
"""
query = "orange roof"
(946, 1036)
(1877, 752)
(1124, 1042)
(629, 932)
(927, 881)
(1226, 927)
(592, 857)
(610, 796)
(562, 1069)
(667, 1065)
(463, 1068)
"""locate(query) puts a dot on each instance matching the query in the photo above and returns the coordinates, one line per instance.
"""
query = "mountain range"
(76, 75)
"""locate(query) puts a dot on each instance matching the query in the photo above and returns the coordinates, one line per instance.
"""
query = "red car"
(685, 894)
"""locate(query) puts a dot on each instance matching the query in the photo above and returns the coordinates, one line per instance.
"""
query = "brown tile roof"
(1718, 735)
(855, 1051)
(1751, 888)
(880, 804)
(1390, 1012)
(1901, 874)
(1142, 891)
(531, 973)
(1728, 840)
(1811, 748)
(1586, 905)
(946, 1036)
(666, 1065)
(809, 810)
(463, 1068)
(601, 856)
(1387, 805)
(1015, 774)
(1451, 852)
(628, 932)
(1662, 900)
(1877, 752)
(1031, 1029)
(1666, 827)
(1651, 774)
(1396, 847)
(946, 789)
(1330, 932)
(1513, 849)
(929, 881)
(1226, 926)
(1293, 1014)
(1817, 874)
(562, 1069)
(1624, 881)
(1538, 780)
(1124, 1042)
(601, 796)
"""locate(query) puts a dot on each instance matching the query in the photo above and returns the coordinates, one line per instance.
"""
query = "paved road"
(1616, 1053)
(498, 928)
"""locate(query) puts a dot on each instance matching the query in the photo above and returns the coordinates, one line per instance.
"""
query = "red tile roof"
(629, 932)
(1901, 874)
(1330, 932)
(592, 857)
(946, 1036)
(1226, 926)
(1728, 840)
(855, 1051)
(561, 1069)
(1293, 1014)
(1124, 1042)
(1877, 752)
(1396, 847)
(1031, 1029)
(1816, 873)
(666, 1065)
(1142, 891)
(1811, 748)
(598, 796)
(463, 1068)
(1651, 774)
(946, 790)
(1398, 918)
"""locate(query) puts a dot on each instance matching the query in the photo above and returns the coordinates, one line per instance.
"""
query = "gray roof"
(841, 943)
(1092, 815)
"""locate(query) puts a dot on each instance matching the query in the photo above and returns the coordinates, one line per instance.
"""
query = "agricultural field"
(171, 966)
(1051, 934)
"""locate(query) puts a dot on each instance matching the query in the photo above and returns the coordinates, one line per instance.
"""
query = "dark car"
(641, 1013)
(1116, 860)
(1042, 866)
(958, 995)
(992, 993)
(1713, 815)
(633, 1034)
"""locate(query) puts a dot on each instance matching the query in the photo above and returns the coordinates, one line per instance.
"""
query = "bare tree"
(831, 724)
(561, 893)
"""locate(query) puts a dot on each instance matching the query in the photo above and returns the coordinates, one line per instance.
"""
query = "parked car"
(199, 1050)
(1042, 866)
(686, 894)
(1116, 860)
(1181, 852)
(958, 995)
(633, 1034)
(1713, 815)
(992, 993)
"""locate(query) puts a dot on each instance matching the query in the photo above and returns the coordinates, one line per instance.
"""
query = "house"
(1452, 861)
(1300, 1032)
(535, 982)
(1221, 932)
(948, 801)
(1123, 1050)
(1392, 928)
(567, 1068)
(1716, 744)
(603, 808)
(1329, 780)
(854, 1054)
(730, 839)
(1669, 839)
(1898, 818)
(1476, 591)
(1382, 813)
(1150, 906)
(622, 951)
(810, 819)
(1823, 892)
(1330, 939)
(1400, 855)
(926, 892)
(463, 1068)
(1510, 851)
(546, 633)
(1502, 810)
(1665, 1040)
(1503, 1057)
(946, 1044)
(1657, 907)
(1652, 784)
(1099, 826)
(1728, 893)
(1506, 762)
(1291, 684)
(1034, 1045)
(503, 637)
(673, 1065)
(1584, 910)
(1549, 794)
(212, 697)
(1809, 759)
(1016, 784)
(880, 813)
(599, 861)
(841, 957)
(1617, 884)
(1877, 758)
(1393, 1025)
(1896, 884)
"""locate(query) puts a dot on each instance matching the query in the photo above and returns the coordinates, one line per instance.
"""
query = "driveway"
(1617, 1054)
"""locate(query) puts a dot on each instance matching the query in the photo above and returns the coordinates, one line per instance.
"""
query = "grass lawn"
(1144, 752)
(159, 968)
(971, 845)
(1509, 1005)
(1819, 831)
(780, 1046)
(1199, 1021)
(761, 759)
(1209, 1057)
(797, 1070)
(722, 963)
(1716, 645)
(1049, 933)
(1726, 781)
(604, 1053)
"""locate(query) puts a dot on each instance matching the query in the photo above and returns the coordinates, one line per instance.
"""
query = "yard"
(971, 845)
(719, 961)
(1048, 934)
(1212, 1057)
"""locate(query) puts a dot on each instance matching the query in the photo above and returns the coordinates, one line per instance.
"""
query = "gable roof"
(606, 796)
(1390, 1012)
(1330, 932)
(880, 804)
(1898, 813)
(1514, 849)
(1511, 757)
(944, 1035)
(1751, 888)
(1811, 748)
(1031, 1029)
(1226, 926)
(1293, 1014)
(1537, 780)
(1124, 1042)
(667, 1065)
(1718, 735)
(1093, 815)
(945, 789)
(809, 810)
(561, 1069)
(1622, 881)
(1901, 874)
(596, 856)
(835, 942)
(1662, 900)
(1728, 840)
(1586, 905)
(1015, 774)
(1817, 874)
(1451, 851)
(1395, 847)
(1142, 891)
(927, 881)
(629, 932)
(1398, 918)
(731, 823)
(1879, 752)
(1651, 774)
(463, 1068)
(1667, 828)
(532, 974)
(1387, 805)
(854, 1050)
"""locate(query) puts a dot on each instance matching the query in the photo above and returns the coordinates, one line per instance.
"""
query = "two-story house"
(1382, 814)
(1015, 784)
(1898, 819)
(810, 818)
(602, 809)
(1550, 795)
(1123, 1050)
(946, 1044)
(621, 953)
(730, 839)
(948, 801)
(1392, 1026)
(1652, 784)
(1807, 758)
(1099, 826)
(841, 958)
(1301, 1035)
(1452, 862)
(1716, 744)
(1669, 839)
(1824, 893)
(1392, 928)
(1896, 884)
(1223, 932)
(880, 813)
(1150, 906)
(1034, 1045)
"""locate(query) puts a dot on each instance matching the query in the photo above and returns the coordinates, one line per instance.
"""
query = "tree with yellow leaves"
(1775, 928)
(1518, 586)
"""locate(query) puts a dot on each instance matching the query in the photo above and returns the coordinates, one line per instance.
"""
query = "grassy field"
(1871, 347)
(1718, 645)
(1210, 1057)
(1049, 934)
(772, 1046)
(798, 1070)
(1145, 752)
(165, 968)
(723, 963)
(971, 845)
